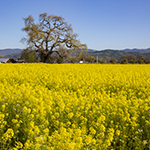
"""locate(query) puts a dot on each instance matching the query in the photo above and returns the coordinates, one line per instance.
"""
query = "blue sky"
(101, 24)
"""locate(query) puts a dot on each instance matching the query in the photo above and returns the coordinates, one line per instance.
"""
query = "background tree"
(124, 61)
(74, 59)
(101, 60)
(52, 59)
(147, 60)
(107, 59)
(90, 59)
(130, 58)
(81, 56)
(113, 60)
(49, 34)
(141, 59)
(29, 55)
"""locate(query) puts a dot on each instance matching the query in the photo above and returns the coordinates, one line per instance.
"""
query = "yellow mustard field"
(74, 107)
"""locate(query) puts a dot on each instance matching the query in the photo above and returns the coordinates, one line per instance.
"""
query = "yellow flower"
(14, 120)
(3, 107)
(117, 132)
(36, 129)
(19, 145)
(57, 115)
(92, 131)
(70, 115)
(72, 106)
(46, 130)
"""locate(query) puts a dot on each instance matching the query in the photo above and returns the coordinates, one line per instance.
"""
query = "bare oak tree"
(49, 34)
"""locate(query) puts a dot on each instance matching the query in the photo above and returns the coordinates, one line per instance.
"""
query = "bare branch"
(49, 34)
(58, 54)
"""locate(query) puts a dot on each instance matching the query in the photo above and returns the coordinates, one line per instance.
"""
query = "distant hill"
(119, 53)
(10, 52)
(91, 50)
(138, 50)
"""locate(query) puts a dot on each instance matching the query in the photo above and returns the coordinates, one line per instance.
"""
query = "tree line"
(131, 59)
(69, 57)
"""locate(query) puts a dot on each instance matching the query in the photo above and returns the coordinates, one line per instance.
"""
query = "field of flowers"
(74, 107)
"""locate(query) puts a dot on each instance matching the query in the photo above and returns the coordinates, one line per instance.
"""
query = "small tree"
(113, 60)
(90, 59)
(124, 61)
(74, 59)
(29, 55)
(147, 60)
(81, 56)
(130, 58)
(141, 59)
(101, 61)
(49, 34)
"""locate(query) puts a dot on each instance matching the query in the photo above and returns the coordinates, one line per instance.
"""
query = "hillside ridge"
(16, 52)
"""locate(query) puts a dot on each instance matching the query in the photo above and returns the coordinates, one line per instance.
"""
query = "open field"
(74, 106)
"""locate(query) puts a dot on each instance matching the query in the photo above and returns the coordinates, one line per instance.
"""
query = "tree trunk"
(45, 59)
(47, 56)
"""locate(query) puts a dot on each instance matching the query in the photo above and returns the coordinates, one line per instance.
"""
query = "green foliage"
(90, 59)
(147, 60)
(141, 59)
(101, 61)
(131, 58)
(82, 56)
(124, 61)
(74, 59)
(113, 60)
(60, 60)
(29, 55)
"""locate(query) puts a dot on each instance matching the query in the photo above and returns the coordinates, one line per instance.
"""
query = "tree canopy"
(47, 36)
